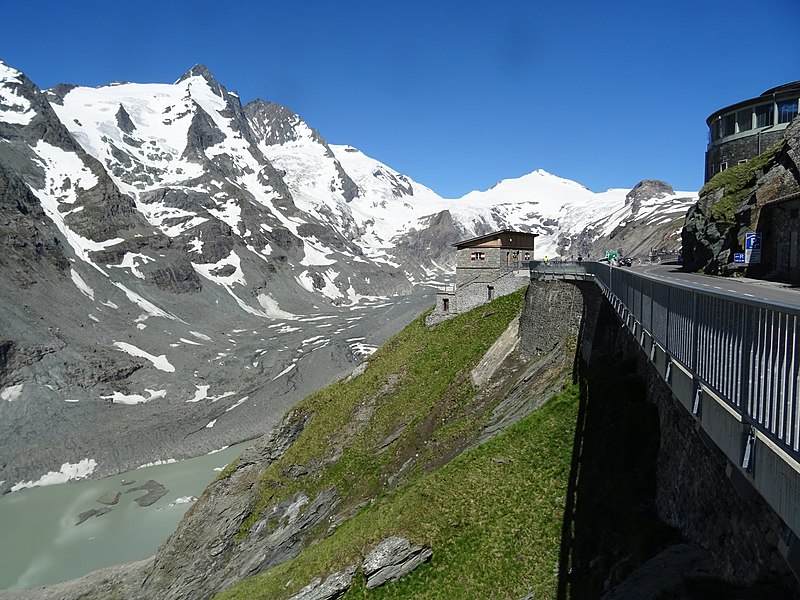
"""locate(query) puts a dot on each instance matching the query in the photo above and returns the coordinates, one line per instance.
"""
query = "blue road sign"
(738, 258)
(752, 241)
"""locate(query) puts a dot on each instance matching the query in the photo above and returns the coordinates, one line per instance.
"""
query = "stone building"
(744, 130)
(487, 267)
(780, 222)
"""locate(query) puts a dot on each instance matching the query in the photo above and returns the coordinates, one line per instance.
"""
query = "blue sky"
(458, 95)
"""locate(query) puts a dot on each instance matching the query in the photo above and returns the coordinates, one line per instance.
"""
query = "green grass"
(739, 182)
(416, 381)
(494, 525)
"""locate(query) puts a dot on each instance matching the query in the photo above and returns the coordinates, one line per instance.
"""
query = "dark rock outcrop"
(94, 512)
(647, 189)
(109, 498)
(649, 234)
(25, 240)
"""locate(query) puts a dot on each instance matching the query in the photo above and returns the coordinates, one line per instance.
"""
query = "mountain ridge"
(147, 225)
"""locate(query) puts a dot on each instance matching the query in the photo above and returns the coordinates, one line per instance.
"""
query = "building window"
(787, 110)
(477, 256)
(728, 125)
(741, 162)
(723, 166)
(764, 115)
(490, 290)
(744, 120)
(446, 304)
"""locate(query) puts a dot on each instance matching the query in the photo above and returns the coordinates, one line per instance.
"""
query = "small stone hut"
(487, 267)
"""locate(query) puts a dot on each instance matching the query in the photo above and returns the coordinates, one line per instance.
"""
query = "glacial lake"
(42, 543)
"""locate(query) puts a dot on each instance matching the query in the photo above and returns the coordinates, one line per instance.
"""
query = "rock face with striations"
(391, 559)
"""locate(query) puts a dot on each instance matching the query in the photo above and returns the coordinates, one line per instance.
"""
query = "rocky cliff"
(733, 203)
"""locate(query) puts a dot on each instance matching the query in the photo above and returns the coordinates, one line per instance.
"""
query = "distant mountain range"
(170, 255)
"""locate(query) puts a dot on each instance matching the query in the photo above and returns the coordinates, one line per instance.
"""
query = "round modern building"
(744, 130)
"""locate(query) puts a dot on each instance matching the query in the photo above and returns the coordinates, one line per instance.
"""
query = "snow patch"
(272, 310)
(200, 394)
(120, 398)
(155, 463)
(160, 362)
(68, 471)
(238, 403)
(14, 108)
(285, 371)
(12, 392)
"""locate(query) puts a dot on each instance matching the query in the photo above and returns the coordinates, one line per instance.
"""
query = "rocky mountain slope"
(181, 268)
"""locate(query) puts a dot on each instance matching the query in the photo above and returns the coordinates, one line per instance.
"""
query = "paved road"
(753, 289)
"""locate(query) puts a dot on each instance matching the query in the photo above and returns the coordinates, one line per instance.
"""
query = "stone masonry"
(486, 268)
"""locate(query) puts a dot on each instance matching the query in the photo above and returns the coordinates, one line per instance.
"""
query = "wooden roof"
(492, 236)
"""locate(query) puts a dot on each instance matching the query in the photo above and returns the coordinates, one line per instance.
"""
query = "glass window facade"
(728, 125)
(744, 120)
(787, 110)
(764, 115)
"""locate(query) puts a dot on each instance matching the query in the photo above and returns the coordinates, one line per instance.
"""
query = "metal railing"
(558, 269)
(746, 351)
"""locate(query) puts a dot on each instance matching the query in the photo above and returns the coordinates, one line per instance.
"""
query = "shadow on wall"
(613, 544)
(610, 527)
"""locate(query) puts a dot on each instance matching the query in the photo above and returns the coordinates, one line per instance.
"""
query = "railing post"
(746, 358)
(666, 319)
(695, 333)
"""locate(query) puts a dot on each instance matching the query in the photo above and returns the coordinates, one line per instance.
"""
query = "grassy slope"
(739, 182)
(494, 525)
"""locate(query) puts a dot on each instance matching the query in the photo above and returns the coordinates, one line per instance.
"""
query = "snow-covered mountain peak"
(9, 74)
(15, 108)
(203, 72)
